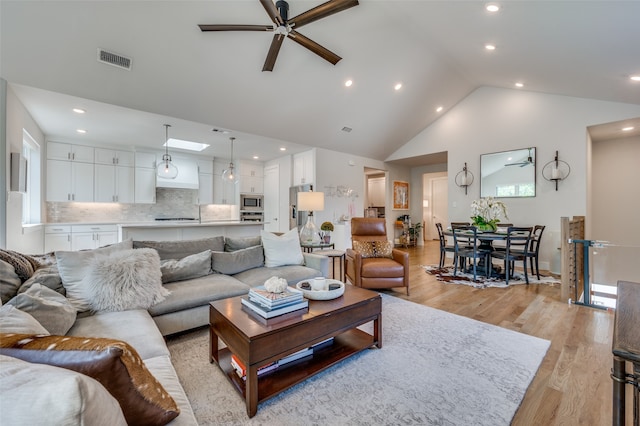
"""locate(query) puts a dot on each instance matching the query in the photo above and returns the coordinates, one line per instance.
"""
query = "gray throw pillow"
(47, 276)
(13, 320)
(126, 279)
(9, 281)
(52, 310)
(194, 266)
(182, 249)
(233, 244)
(230, 263)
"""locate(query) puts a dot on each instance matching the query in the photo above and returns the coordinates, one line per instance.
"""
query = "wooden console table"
(626, 348)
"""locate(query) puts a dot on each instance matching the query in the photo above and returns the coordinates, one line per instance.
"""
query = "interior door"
(272, 200)
(439, 204)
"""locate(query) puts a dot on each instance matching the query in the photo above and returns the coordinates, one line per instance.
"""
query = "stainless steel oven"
(251, 202)
(251, 216)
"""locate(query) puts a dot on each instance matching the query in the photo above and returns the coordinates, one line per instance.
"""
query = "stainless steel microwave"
(251, 202)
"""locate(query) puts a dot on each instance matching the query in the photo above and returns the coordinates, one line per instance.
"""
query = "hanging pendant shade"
(229, 175)
(166, 169)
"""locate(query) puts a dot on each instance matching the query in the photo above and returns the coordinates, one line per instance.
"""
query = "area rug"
(446, 275)
(435, 368)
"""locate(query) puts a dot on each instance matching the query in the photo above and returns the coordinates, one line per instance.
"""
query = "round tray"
(322, 294)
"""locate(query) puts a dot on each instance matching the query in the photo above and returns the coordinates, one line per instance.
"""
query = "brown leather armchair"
(375, 272)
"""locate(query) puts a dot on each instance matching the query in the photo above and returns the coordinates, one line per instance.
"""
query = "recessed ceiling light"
(398, 86)
(635, 77)
(283, 149)
(490, 46)
(439, 109)
(79, 111)
(348, 83)
(255, 157)
(518, 84)
(492, 7)
(188, 145)
(82, 131)
(628, 129)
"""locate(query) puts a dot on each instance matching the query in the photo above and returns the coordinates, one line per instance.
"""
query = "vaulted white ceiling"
(197, 81)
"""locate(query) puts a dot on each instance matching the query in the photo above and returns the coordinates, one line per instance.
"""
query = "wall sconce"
(464, 178)
(556, 170)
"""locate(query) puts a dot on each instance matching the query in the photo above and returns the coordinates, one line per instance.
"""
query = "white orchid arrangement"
(486, 212)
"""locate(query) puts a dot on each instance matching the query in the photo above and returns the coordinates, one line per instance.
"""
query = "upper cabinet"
(69, 181)
(205, 176)
(304, 169)
(69, 152)
(251, 177)
(114, 157)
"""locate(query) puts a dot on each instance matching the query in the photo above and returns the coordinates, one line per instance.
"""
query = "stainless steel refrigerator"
(297, 219)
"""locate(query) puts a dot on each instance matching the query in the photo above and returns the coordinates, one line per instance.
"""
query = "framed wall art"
(400, 195)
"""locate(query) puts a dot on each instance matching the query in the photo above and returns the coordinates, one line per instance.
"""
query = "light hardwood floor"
(572, 386)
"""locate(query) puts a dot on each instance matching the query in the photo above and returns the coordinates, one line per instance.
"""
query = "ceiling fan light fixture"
(166, 169)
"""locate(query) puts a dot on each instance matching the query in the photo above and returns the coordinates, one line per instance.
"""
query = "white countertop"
(164, 223)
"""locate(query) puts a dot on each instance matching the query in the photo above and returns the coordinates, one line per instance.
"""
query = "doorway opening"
(435, 188)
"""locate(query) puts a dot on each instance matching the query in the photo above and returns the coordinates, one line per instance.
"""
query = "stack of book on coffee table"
(269, 305)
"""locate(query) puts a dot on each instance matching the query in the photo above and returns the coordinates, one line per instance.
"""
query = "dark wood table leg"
(251, 390)
(377, 331)
(213, 347)
(619, 382)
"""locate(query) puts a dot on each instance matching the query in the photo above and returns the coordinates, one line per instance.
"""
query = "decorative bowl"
(322, 294)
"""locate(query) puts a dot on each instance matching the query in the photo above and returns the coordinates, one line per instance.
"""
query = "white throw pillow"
(281, 250)
(128, 279)
(73, 266)
(13, 320)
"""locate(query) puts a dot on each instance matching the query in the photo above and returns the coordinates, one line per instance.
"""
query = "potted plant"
(326, 229)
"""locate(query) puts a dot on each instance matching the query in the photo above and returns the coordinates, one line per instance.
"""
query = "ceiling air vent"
(114, 59)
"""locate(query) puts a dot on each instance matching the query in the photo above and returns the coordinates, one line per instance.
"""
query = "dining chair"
(472, 252)
(516, 249)
(466, 241)
(534, 249)
(500, 245)
(444, 248)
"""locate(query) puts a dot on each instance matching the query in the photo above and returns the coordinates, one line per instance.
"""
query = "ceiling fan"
(284, 27)
(523, 163)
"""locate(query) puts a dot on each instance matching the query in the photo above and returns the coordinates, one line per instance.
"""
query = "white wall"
(491, 120)
(614, 209)
(27, 240)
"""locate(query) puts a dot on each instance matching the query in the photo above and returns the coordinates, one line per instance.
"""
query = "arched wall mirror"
(508, 173)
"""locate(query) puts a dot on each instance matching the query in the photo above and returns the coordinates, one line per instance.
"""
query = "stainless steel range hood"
(187, 175)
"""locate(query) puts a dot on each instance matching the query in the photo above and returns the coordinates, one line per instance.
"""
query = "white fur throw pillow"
(127, 279)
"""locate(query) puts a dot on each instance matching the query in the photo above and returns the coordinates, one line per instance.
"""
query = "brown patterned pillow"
(24, 265)
(381, 248)
(113, 363)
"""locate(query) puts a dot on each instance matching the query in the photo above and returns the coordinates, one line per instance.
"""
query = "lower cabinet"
(57, 237)
(79, 237)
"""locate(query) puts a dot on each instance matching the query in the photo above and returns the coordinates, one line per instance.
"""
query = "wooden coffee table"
(257, 342)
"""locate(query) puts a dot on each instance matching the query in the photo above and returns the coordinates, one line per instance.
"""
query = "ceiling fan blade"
(226, 27)
(314, 47)
(273, 52)
(322, 11)
(272, 11)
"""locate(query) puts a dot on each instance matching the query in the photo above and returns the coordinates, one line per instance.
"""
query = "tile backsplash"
(170, 203)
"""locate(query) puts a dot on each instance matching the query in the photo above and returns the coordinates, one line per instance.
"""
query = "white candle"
(463, 180)
(555, 173)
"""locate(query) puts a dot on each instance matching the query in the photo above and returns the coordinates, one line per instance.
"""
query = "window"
(31, 200)
(516, 190)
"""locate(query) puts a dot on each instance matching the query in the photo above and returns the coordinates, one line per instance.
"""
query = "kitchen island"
(187, 230)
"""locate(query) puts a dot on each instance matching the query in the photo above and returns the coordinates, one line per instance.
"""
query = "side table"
(335, 255)
(308, 248)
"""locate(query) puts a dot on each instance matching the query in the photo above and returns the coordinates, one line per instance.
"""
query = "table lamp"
(310, 201)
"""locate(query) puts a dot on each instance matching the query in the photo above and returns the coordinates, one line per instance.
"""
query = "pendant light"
(229, 175)
(166, 169)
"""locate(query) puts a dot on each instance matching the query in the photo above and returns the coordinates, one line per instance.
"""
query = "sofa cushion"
(280, 250)
(382, 248)
(47, 276)
(198, 292)
(192, 266)
(23, 264)
(39, 394)
(237, 261)
(292, 273)
(9, 281)
(75, 265)
(113, 363)
(182, 249)
(127, 279)
(52, 310)
(13, 320)
(233, 244)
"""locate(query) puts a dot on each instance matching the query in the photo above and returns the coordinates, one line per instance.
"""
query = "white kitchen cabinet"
(69, 181)
(114, 157)
(69, 152)
(205, 188)
(223, 193)
(93, 236)
(304, 170)
(114, 184)
(205, 166)
(145, 186)
(145, 160)
(57, 237)
(251, 177)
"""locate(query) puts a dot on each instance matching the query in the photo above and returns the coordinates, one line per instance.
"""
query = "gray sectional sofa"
(27, 397)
